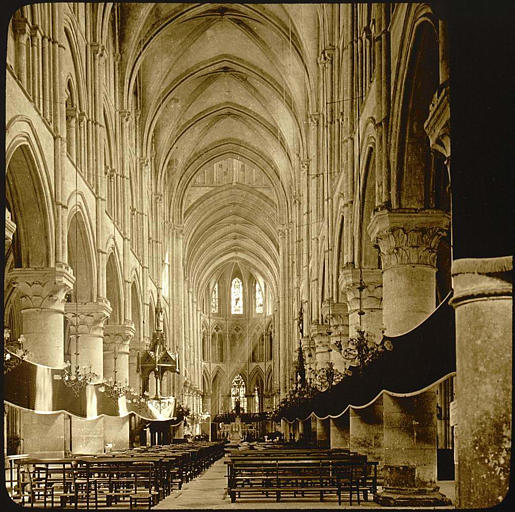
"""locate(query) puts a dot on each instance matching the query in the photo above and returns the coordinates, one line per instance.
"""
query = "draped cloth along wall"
(41, 389)
(420, 359)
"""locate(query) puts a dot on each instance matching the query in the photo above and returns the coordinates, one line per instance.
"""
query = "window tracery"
(259, 298)
(238, 392)
(236, 297)
(214, 299)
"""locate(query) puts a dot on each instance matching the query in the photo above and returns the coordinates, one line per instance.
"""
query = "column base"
(411, 497)
(401, 489)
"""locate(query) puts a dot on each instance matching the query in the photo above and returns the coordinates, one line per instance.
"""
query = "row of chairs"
(140, 477)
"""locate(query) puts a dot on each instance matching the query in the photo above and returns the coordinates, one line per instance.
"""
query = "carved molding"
(408, 238)
(368, 284)
(482, 278)
(42, 287)
(87, 318)
(119, 334)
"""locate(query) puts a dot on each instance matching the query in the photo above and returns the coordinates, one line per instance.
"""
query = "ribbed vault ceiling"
(223, 85)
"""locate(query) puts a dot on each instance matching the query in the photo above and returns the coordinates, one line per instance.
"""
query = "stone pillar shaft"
(408, 242)
(340, 431)
(483, 304)
(41, 293)
(116, 351)
(86, 323)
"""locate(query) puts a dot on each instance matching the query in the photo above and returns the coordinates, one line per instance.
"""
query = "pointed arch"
(114, 288)
(81, 250)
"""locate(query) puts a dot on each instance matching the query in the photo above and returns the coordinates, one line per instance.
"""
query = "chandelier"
(114, 389)
(325, 378)
(360, 351)
(76, 379)
(14, 352)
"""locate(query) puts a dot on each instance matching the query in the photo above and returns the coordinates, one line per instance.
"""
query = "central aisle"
(208, 492)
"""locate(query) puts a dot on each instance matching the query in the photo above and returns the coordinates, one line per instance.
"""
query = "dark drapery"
(419, 359)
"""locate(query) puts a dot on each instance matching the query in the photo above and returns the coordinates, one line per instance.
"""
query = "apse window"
(259, 299)
(238, 393)
(214, 299)
(236, 297)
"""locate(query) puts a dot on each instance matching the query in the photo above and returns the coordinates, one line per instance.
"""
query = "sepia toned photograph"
(257, 256)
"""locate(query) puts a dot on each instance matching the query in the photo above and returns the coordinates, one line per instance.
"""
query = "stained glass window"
(236, 297)
(238, 393)
(256, 399)
(259, 299)
(214, 299)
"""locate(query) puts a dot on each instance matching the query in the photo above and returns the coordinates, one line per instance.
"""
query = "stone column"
(86, 322)
(116, 351)
(483, 303)
(367, 431)
(21, 31)
(340, 431)
(364, 300)
(408, 242)
(322, 344)
(323, 433)
(336, 314)
(41, 292)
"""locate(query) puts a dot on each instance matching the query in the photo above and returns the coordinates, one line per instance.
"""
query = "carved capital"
(42, 287)
(98, 50)
(71, 113)
(334, 314)
(125, 115)
(408, 238)
(20, 26)
(304, 165)
(87, 318)
(326, 56)
(314, 118)
(119, 335)
(364, 289)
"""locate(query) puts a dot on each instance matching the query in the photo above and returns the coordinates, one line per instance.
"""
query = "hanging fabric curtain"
(41, 389)
(419, 359)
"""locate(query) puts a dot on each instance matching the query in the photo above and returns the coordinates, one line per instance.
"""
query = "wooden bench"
(293, 475)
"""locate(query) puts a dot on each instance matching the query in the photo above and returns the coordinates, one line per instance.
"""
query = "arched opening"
(369, 257)
(113, 290)
(25, 198)
(205, 347)
(415, 163)
(135, 344)
(216, 395)
(72, 135)
(80, 260)
(217, 345)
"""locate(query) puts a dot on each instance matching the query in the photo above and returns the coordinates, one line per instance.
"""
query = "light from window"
(236, 297)
(259, 299)
(238, 392)
(214, 299)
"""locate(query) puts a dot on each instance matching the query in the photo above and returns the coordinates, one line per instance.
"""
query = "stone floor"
(208, 492)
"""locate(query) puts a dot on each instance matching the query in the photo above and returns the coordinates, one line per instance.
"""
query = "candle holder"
(14, 352)
(76, 379)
